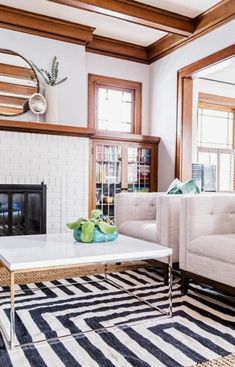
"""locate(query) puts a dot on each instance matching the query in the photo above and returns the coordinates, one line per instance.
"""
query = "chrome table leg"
(12, 315)
(170, 284)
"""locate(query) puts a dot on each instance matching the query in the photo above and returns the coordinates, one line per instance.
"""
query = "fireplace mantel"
(68, 130)
(45, 128)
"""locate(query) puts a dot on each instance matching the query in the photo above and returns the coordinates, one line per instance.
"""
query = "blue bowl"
(98, 236)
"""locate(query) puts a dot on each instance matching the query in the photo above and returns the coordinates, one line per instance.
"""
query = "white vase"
(51, 95)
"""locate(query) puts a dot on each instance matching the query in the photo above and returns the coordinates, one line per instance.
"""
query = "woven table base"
(70, 272)
(228, 361)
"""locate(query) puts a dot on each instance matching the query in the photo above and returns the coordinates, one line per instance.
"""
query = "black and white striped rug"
(202, 327)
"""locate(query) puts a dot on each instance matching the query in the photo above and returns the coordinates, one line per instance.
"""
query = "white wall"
(163, 93)
(72, 97)
(75, 63)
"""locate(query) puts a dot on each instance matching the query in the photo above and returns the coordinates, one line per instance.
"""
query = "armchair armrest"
(202, 215)
(135, 206)
(167, 222)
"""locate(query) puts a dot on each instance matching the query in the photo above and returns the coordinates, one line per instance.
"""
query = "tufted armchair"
(152, 217)
(207, 240)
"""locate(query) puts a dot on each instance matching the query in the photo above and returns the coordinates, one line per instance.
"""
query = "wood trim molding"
(136, 138)
(45, 128)
(216, 100)
(203, 63)
(184, 109)
(41, 25)
(119, 49)
(62, 30)
(138, 13)
(216, 16)
(66, 130)
(97, 80)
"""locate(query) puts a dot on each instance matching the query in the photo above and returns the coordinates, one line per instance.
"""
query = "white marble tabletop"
(49, 250)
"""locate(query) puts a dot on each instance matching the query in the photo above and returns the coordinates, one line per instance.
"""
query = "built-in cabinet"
(118, 166)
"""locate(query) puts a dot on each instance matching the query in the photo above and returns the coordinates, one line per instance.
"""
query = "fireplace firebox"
(22, 209)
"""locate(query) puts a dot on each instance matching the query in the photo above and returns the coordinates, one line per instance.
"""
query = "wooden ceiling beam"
(37, 24)
(24, 21)
(138, 13)
(218, 15)
(119, 49)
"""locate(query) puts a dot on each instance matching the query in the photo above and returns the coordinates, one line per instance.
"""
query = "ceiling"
(112, 27)
(225, 74)
(189, 8)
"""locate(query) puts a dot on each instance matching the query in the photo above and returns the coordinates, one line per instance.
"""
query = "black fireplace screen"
(22, 209)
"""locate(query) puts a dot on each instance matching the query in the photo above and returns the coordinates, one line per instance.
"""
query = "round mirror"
(38, 104)
(18, 81)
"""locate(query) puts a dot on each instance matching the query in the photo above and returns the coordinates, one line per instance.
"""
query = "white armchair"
(150, 216)
(207, 240)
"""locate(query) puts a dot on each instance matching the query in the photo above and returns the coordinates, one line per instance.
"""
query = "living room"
(103, 104)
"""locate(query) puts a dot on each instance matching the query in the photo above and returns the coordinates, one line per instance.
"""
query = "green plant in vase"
(93, 229)
(50, 77)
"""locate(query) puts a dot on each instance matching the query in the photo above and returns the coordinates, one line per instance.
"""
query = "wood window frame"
(183, 155)
(219, 103)
(96, 81)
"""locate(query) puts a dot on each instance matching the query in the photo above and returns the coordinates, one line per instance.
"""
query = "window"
(215, 144)
(215, 128)
(114, 104)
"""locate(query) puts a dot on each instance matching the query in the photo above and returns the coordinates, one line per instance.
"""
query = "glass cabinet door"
(139, 165)
(108, 177)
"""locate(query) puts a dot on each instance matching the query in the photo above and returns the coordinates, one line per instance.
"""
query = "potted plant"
(93, 229)
(51, 81)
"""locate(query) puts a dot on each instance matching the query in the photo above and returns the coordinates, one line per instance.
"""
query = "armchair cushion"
(142, 229)
(135, 206)
(219, 247)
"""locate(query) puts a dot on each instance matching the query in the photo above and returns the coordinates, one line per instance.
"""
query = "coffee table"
(21, 254)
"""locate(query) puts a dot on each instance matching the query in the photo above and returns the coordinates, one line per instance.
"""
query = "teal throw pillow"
(189, 187)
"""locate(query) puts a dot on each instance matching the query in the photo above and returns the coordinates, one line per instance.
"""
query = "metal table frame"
(11, 342)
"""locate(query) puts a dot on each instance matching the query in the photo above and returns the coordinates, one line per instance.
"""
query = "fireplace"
(22, 209)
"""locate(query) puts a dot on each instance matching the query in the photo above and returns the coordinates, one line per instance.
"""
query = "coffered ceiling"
(189, 8)
(139, 30)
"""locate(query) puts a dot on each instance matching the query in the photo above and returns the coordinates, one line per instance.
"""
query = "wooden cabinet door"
(141, 168)
(107, 175)
(120, 167)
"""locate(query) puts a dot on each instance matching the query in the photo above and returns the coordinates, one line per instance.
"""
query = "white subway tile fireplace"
(62, 162)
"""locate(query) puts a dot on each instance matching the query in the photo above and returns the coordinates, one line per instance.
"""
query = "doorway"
(192, 102)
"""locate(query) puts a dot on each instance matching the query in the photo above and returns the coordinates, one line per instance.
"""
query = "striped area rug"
(202, 327)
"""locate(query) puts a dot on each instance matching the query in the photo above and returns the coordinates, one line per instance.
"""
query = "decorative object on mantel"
(51, 91)
(18, 81)
(97, 228)
(38, 104)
